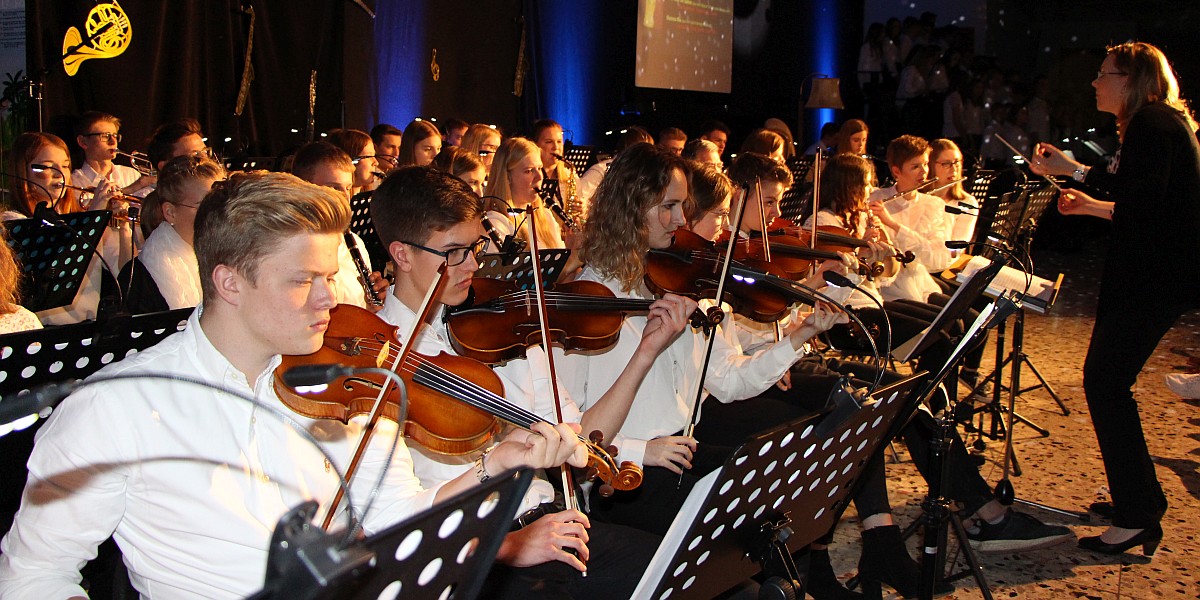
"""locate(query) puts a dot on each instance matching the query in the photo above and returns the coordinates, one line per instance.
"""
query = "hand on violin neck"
(823, 317)
(546, 540)
(544, 447)
(668, 317)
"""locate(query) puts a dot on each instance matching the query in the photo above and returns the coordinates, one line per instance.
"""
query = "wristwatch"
(1080, 172)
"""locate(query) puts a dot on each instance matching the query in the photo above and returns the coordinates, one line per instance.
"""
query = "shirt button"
(266, 478)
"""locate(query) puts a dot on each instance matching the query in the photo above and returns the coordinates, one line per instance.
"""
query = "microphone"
(962, 210)
(837, 279)
(39, 398)
(314, 375)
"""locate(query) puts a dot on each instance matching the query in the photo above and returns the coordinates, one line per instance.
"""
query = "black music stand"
(362, 226)
(581, 157)
(67, 353)
(54, 258)
(780, 491)
(794, 204)
(518, 269)
(444, 552)
(959, 304)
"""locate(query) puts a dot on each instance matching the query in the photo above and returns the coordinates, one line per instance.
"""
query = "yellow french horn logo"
(108, 35)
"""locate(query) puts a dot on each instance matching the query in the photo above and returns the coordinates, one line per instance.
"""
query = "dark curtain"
(186, 60)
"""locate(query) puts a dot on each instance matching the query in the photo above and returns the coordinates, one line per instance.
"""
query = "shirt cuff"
(631, 449)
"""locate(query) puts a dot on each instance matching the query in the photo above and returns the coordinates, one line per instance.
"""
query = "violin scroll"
(602, 466)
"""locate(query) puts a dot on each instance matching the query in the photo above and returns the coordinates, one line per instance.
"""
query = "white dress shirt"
(924, 228)
(190, 481)
(526, 384)
(171, 262)
(662, 404)
(348, 288)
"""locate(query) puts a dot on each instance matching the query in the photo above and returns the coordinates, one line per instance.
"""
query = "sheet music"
(1041, 292)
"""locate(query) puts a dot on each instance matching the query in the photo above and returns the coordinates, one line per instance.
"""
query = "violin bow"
(434, 291)
(762, 222)
(568, 481)
(715, 315)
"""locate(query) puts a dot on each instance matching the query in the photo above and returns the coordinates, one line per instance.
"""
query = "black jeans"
(1123, 338)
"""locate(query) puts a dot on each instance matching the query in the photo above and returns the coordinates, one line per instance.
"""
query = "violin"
(839, 239)
(455, 404)
(691, 267)
(498, 321)
(789, 253)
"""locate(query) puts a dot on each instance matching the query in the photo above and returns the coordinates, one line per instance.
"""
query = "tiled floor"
(1064, 470)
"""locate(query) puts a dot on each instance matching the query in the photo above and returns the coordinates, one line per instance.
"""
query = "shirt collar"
(215, 365)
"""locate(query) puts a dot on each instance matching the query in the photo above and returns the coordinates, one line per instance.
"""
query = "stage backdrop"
(186, 59)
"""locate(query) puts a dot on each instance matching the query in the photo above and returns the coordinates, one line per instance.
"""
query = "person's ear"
(228, 283)
(401, 255)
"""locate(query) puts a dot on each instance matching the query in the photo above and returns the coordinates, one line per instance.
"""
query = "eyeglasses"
(946, 164)
(1101, 74)
(206, 151)
(456, 256)
(108, 137)
(391, 160)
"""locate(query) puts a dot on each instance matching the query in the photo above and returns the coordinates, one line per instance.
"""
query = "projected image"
(685, 44)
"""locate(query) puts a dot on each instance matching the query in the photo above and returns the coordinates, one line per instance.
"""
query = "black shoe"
(885, 560)
(822, 583)
(1147, 538)
(1103, 509)
(1018, 532)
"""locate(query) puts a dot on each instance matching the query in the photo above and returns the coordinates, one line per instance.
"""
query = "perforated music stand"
(54, 258)
(444, 552)
(980, 183)
(959, 304)
(362, 226)
(999, 220)
(518, 268)
(794, 202)
(32, 358)
(787, 477)
(581, 157)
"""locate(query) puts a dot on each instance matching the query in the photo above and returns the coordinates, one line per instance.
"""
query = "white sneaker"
(1186, 385)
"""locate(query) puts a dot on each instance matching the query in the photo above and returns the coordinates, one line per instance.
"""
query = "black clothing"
(1151, 277)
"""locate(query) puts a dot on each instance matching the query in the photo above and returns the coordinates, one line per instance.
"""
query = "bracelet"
(480, 468)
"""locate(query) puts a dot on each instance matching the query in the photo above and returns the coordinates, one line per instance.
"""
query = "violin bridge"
(384, 352)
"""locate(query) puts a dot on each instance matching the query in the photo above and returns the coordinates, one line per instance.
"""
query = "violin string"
(460, 388)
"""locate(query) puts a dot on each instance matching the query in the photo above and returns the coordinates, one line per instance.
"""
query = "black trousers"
(619, 556)
(1123, 338)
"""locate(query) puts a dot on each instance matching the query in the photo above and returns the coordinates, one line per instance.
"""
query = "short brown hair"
(162, 142)
(84, 125)
(414, 202)
(707, 187)
(245, 218)
(751, 166)
(309, 156)
(904, 149)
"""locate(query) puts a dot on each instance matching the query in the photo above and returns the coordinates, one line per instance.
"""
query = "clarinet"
(363, 274)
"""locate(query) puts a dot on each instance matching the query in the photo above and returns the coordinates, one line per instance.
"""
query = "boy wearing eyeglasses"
(430, 219)
(99, 135)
